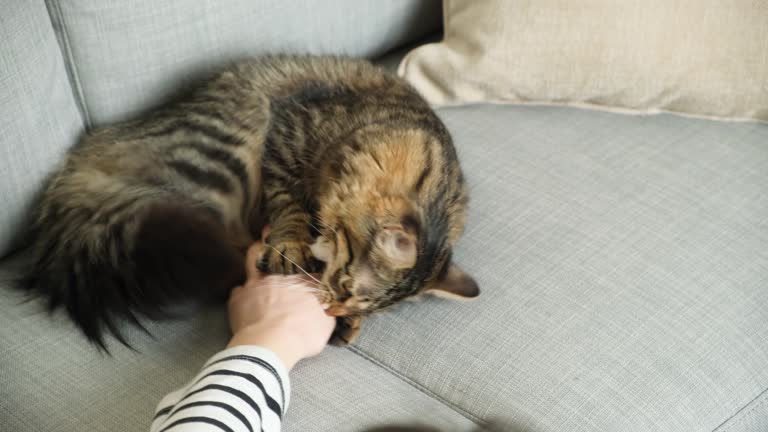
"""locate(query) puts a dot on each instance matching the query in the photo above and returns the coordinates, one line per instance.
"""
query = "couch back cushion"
(694, 57)
(133, 54)
(39, 118)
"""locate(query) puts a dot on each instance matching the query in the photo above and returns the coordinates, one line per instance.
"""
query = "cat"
(356, 175)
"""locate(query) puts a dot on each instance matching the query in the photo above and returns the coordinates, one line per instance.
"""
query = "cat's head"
(383, 239)
(376, 264)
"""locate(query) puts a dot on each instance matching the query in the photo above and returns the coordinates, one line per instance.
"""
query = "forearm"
(244, 388)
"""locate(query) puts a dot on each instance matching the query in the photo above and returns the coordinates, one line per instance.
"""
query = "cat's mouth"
(337, 311)
(350, 307)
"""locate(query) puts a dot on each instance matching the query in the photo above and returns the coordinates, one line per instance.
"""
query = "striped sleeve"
(240, 389)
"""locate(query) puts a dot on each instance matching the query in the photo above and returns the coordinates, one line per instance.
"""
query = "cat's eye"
(347, 286)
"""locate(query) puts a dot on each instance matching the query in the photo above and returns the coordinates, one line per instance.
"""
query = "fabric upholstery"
(698, 57)
(752, 418)
(38, 116)
(52, 380)
(134, 54)
(623, 268)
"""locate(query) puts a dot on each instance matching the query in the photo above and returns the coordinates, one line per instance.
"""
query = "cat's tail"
(106, 268)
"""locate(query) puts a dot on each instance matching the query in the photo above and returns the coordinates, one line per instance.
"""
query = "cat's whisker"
(305, 287)
(306, 284)
(325, 225)
(315, 227)
(297, 279)
(322, 225)
(294, 263)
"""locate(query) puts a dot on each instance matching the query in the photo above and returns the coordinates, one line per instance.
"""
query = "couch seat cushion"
(623, 264)
(51, 379)
(39, 118)
(624, 271)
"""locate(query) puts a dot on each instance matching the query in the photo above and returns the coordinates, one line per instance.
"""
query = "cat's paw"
(288, 257)
(346, 331)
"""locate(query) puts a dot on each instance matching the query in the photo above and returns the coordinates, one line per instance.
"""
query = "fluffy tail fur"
(137, 265)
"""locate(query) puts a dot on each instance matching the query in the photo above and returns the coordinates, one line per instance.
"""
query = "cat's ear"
(322, 249)
(455, 284)
(398, 245)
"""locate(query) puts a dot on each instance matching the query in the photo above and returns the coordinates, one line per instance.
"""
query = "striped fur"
(346, 163)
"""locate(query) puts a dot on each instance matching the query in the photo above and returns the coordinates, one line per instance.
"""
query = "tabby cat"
(353, 171)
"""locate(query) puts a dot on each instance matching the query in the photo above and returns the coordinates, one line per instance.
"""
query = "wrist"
(269, 339)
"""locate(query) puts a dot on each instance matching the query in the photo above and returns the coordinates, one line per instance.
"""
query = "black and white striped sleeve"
(243, 388)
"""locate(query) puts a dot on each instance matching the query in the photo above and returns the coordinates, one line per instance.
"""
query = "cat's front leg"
(287, 244)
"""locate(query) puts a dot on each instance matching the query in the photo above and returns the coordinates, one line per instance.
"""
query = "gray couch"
(623, 259)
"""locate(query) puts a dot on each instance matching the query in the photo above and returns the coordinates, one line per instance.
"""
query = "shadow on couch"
(492, 426)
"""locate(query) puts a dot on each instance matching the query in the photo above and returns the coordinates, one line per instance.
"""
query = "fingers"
(252, 259)
(235, 293)
(265, 232)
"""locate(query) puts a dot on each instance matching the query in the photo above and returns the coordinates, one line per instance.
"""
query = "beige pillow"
(701, 57)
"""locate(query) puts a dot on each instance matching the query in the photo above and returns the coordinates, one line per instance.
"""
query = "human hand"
(281, 313)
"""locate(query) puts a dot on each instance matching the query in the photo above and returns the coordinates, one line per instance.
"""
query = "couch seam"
(419, 387)
(60, 29)
(742, 413)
